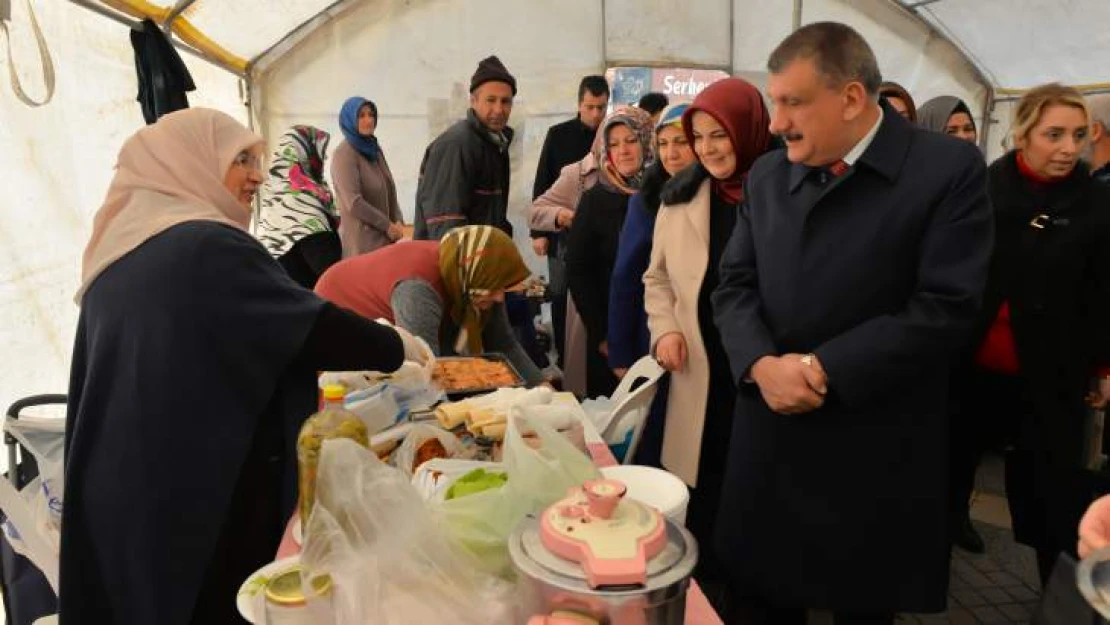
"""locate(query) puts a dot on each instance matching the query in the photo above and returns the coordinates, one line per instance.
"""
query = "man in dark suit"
(854, 273)
(567, 142)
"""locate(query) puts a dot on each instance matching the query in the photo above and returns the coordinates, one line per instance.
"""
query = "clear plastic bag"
(376, 407)
(410, 386)
(405, 456)
(390, 563)
(538, 477)
(435, 477)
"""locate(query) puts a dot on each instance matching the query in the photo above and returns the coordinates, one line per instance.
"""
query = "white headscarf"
(168, 173)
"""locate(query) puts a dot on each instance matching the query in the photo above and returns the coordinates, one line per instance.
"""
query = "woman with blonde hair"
(1040, 338)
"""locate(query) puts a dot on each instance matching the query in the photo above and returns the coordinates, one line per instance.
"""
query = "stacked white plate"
(655, 487)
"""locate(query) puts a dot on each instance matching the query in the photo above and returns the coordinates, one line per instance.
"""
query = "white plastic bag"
(411, 386)
(434, 478)
(389, 562)
(482, 522)
(376, 407)
(33, 526)
(405, 456)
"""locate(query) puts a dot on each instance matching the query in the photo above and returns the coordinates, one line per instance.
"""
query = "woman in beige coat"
(727, 126)
(369, 216)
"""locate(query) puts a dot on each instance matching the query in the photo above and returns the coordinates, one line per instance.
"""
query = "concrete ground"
(1000, 586)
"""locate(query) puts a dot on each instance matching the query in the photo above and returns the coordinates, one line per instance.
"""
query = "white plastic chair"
(631, 407)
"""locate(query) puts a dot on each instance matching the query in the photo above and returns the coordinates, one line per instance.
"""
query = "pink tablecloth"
(698, 610)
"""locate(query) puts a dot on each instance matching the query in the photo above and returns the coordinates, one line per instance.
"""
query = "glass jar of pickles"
(332, 421)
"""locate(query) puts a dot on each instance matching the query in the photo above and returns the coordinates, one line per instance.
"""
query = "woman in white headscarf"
(193, 367)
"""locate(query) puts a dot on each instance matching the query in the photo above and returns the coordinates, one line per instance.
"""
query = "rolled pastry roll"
(450, 416)
(496, 431)
(480, 418)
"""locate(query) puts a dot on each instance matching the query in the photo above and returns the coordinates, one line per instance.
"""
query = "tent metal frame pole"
(133, 24)
(921, 3)
(604, 37)
(175, 12)
(796, 18)
(1098, 87)
(980, 71)
(1013, 95)
(732, 38)
(300, 31)
(988, 115)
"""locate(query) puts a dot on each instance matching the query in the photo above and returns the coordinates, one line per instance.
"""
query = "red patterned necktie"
(830, 172)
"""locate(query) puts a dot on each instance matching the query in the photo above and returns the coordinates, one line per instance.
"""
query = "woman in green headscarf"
(450, 292)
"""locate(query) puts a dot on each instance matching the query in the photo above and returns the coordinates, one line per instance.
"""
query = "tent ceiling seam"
(935, 25)
(330, 11)
(920, 3)
(192, 40)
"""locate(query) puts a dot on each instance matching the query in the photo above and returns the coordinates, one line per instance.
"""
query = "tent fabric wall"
(421, 91)
(57, 162)
(908, 50)
(1024, 43)
(415, 58)
(657, 32)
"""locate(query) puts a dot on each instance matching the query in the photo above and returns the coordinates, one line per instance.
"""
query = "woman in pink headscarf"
(193, 368)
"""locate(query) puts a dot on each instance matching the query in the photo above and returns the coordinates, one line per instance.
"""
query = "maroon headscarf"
(738, 107)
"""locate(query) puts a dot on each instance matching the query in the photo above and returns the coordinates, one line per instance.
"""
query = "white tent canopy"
(1019, 44)
(280, 62)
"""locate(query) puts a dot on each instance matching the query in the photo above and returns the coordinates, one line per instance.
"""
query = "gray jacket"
(367, 200)
(464, 181)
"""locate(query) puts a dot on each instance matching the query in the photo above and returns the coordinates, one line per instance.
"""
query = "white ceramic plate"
(256, 584)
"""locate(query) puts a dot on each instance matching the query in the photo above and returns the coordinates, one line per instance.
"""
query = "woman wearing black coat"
(623, 153)
(1042, 334)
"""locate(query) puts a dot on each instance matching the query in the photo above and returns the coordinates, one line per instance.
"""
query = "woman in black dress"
(623, 153)
(1042, 335)
(193, 368)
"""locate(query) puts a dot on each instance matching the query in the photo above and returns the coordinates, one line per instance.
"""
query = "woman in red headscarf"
(727, 126)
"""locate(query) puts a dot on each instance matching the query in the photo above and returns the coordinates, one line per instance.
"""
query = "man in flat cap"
(464, 177)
